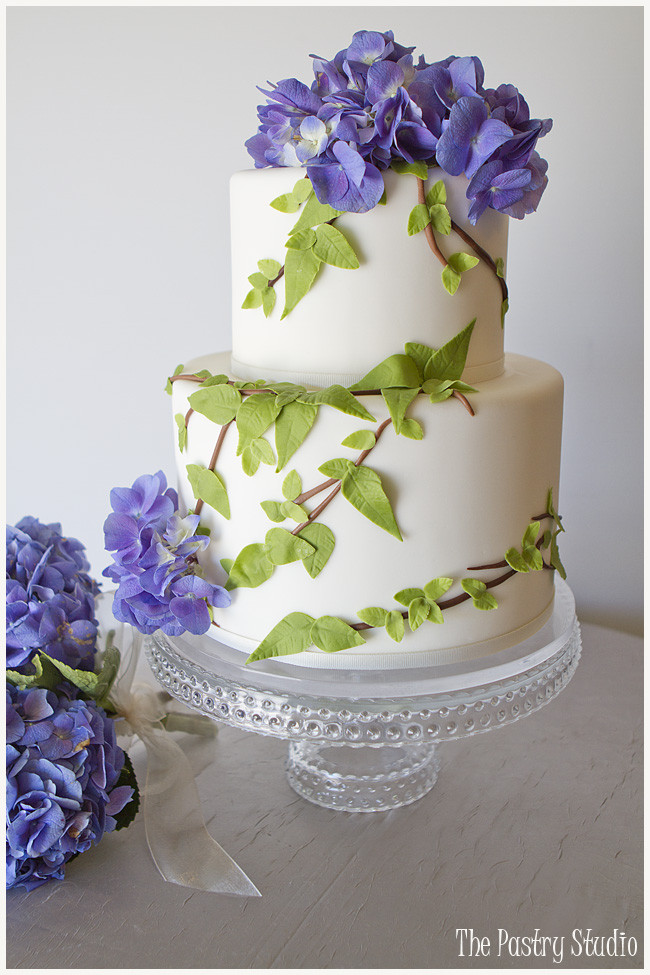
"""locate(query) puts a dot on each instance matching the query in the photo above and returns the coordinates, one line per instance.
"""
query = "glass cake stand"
(365, 741)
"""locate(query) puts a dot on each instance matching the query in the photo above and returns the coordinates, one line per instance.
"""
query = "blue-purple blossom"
(63, 765)
(155, 561)
(50, 597)
(371, 101)
(492, 186)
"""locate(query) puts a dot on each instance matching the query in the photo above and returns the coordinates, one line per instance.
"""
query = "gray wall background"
(124, 125)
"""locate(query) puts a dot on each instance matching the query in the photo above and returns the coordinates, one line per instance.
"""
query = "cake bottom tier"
(462, 496)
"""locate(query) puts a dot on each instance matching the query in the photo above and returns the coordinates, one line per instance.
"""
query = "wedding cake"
(372, 482)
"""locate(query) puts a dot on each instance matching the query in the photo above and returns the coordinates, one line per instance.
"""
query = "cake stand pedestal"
(365, 741)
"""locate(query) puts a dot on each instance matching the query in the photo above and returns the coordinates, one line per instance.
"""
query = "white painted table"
(535, 825)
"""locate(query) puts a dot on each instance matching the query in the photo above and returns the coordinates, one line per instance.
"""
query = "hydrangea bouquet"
(371, 107)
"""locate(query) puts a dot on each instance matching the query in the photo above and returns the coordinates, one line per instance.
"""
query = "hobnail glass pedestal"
(365, 741)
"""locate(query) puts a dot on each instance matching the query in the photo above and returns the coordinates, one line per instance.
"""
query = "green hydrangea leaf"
(127, 813)
(269, 268)
(300, 270)
(291, 635)
(450, 279)
(169, 384)
(448, 362)
(86, 680)
(253, 299)
(406, 596)
(268, 301)
(362, 487)
(360, 440)
(45, 675)
(500, 267)
(338, 467)
(322, 539)
(273, 510)
(281, 547)
(263, 449)
(251, 568)
(437, 194)
(460, 261)
(440, 219)
(338, 397)
(314, 213)
(419, 169)
(258, 280)
(292, 485)
(516, 561)
(411, 428)
(218, 403)
(437, 587)
(303, 189)
(304, 240)
(395, 625)
(395, 371)
(182, 431)
(420, 355)
(291, 427)
(554, 556)
(110, 665)
(294, 511)
(255, 415)
(504, 311)
(398, 401)
(331, 634)
(250, 461)
(435, 613)
(334, 248)
(418, 219)
(286, 203)
(208, 486)
(373, 615)
(419, 611)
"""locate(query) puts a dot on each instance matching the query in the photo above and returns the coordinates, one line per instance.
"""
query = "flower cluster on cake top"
(371, 107)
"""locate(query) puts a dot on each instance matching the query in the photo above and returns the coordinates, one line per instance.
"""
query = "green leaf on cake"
(437, 194)
(207, 486)
(292, 485)
(516, 561)
(550, 509)
(291, 427)
(251, 568)
(182, 431)
(291, 635)
(304, 240)
(303, 189)
(499, 267)
(169, 384)
(381, 202)
(268, 301)
(336, 468)
(481, 598)
(440, 219)
(362, 487)
(373, 615)
(322, 539)
(411, 428)
(300, 270)
(396, 371)
(314, 213)
(253, 299)
(218, 403)
(418, 219)
(331, 635)
(395, 625)
(285, 203)
(273, 510)
(554, 556)
(419, 611)
(442, 389)
(420, 355)
(340, 398)
(435, 589)
(262, 449)
(269, 268)
(360, 440)
(250, 461)
(333, 247)
(456, 264)
(398, 401)
(217, 380)
(226, 565)
(530, 558)
(294, 511)
(504, 311)
(282, 548)
(419, 169)
(258, 280)
(448, 362)
(406, 596)
(254, 417)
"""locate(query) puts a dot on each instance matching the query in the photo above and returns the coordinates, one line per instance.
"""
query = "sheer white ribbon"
(180, 845)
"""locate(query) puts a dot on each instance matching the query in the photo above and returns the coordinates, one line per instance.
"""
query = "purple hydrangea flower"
(495, 186)
(469, 137)
(50, 596)
(63, 764)
(346, 181)
(155, 552)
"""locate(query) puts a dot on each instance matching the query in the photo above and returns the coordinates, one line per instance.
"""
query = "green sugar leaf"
(273, 510)
(286, 203)
(554, 556)
(182, 431)
(362, 487)
(485, 601)
(420, 355)
(373, 615)
(419, 611)
(419, 169)
(269, 268)
(396, 371)
(546, 538)
(450, 279)
(332, 634)
(45, 674)
(292, 485)
(254, 417)
(284, 398)
(500, 267)
(291, 427)
(226, 565)
(440, 219)
(406, 596)
(460, 261)
(258, 280)
(550, 509)
(418, 219)
(449, 360)
(263, 449)
(530, 535)
(250, 461)
(322, 539)
(516, 561)
(533, 557)
(169, 384)
(411, 428)
(437, 194)
(268, 301)
(395, 625)
(381, 202)
(435, 613)
(398, 401)
(281, 547)
(337, 468)
(294, 511)
(214, 380)
(218, 403)
(290, 635)
(86, 680)
(437, 587)
(208, 486)
(338, 397)
(360, 440)
(334, 248)
(302, 241)
(251, 568)
(473, 587)
(303, 189)
(300, 269)
(481, 598)
(202, 530)
(314, 213)
(253, 299)
(504, 311)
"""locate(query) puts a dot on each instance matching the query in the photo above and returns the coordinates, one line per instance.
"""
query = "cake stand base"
(361, 778)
